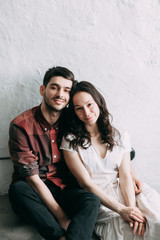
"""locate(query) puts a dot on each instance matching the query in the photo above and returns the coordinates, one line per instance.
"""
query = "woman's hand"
(132, 214)
(140, 226)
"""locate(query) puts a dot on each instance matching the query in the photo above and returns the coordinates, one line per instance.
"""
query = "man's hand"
(137, 185)
(64, 222)
(137, 182)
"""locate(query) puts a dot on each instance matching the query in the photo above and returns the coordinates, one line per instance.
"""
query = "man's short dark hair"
(57, 72)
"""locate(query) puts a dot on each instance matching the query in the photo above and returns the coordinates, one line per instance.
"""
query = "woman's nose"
(86, 112)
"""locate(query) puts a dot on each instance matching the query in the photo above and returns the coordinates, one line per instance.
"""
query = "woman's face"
(86, 108)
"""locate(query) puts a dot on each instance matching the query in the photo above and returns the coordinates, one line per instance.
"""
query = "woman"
(99, 157)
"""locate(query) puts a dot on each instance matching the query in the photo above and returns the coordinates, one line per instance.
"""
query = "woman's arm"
(128, 192)
(77, 168)
(126, 183)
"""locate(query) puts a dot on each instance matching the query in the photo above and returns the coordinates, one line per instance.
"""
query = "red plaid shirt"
(33, 148)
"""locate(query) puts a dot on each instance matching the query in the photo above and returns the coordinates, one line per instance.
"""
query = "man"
(42, 190)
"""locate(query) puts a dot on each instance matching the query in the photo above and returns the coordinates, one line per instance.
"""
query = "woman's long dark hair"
(77, 128)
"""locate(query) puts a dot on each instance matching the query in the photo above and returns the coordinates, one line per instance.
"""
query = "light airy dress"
(110, 225)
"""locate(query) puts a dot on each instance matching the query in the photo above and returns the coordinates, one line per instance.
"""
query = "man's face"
(57, 93)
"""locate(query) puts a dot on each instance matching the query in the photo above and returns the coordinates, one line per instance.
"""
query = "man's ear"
(42, 89)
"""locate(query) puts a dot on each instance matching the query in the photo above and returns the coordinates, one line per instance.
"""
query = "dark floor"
(13, 228)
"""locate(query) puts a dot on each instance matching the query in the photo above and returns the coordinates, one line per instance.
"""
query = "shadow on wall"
(21, 96)
(17, 96)
(6, 169)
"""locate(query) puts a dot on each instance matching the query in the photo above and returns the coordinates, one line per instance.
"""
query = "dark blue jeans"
(81, 206)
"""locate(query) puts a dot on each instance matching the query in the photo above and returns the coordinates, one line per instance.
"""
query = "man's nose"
(60, 93)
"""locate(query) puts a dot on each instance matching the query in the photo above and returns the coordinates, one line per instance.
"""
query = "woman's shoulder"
(69, 137)
(121, 134)
(66, 142)
(120, 130)
(123, 138)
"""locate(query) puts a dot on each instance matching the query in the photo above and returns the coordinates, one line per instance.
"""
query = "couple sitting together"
(72, 173)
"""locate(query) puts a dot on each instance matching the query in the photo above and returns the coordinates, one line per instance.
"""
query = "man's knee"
(17, 188)
(88, 196)
(93, 200)
(21, 192)
(87, 200)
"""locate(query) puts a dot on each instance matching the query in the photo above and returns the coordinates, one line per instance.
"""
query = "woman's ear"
(42, 89)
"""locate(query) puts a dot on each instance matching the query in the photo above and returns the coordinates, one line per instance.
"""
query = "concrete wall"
(113, 44)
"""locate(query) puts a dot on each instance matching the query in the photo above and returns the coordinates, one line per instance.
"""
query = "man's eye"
(54, 88)
(67, 90)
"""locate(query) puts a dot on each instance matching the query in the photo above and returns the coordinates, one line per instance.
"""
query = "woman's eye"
(78, 109)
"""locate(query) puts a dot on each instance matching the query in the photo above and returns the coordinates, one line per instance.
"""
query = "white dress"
(110, 225)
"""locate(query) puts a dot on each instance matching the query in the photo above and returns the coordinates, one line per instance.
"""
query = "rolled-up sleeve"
(23, 158)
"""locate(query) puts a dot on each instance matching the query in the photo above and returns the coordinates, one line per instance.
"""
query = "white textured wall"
(115, 44)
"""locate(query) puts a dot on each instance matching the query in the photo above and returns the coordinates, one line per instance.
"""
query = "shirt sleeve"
(65, 145)
(24, 160)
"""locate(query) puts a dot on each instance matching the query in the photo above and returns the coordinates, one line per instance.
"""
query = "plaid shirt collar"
(43, 122)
